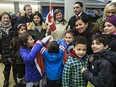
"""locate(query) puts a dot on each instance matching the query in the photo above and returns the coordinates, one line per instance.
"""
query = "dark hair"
(19, 26)
(84, 19)
(5, 13)
(80, 3)
(23, 39)
(101, 38)
(53, 47)
(27, 5)
(80, 40)
(41, 18)
(70, 32)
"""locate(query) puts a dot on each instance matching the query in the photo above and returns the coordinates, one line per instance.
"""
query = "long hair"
(23, 39)
(41, 18)
(110, 6)
(56, 12)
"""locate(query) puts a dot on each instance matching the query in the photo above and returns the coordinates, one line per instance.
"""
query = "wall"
(6, 6)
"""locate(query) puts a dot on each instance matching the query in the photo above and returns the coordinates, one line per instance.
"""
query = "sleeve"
(66, 74)
(104, 78)
(29, 57)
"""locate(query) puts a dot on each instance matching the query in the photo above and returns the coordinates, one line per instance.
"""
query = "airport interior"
(13, 6)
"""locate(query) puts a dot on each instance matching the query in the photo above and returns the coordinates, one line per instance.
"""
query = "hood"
(107, 54)
(55, 56)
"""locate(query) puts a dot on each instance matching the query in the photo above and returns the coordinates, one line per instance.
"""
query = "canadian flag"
(49, 18)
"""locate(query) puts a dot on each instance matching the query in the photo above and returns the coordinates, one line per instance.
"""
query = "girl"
(28, 54)
(60, 24)
(37, 28)
(100, 71)
(17, 60)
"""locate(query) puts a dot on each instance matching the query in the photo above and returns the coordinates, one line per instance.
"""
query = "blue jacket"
(53, 64)
(29, 55)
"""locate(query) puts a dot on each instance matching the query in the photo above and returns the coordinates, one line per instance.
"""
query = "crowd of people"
(78, 53)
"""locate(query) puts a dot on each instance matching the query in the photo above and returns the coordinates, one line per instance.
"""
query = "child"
(101, 71)
(17, 60)
(68, 38)
(77, 59)
(28, 54)
(53, 59)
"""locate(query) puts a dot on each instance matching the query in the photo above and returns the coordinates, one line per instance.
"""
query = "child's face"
(59, 16)
(97, 46)
(36, 19)
(22, 30)
(68, 38)
(80, 50)
(109, 28)
(30, 41)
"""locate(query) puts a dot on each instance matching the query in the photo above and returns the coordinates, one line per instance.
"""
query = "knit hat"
(111, 20)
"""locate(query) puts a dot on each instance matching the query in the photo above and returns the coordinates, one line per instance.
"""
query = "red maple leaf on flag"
(49, 19)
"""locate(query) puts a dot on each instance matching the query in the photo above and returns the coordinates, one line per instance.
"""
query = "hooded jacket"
(101, 69)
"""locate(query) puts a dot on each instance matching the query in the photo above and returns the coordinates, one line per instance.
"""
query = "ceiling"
(88, 2)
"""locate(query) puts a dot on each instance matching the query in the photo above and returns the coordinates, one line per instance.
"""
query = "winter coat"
(5, 45)
(28, 55)
(101, 70)
(72, 76)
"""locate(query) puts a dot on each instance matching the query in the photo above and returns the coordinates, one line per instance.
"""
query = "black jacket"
(73, 19)
(5, 45)
(101, 71)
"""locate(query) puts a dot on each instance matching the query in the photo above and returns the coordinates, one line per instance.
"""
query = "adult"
(110, 31)
(109, 10)
(78, 10)
(6, 34)
(27, 17)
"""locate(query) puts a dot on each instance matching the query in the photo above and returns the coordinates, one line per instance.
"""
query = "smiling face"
(81, 26)
(36, 19)
(109, 28)
(5, 19)
(30, 41)
(22, 30)
(28, 10)
(59, 16)
(97, 46)
(80, 50)
(68, 38)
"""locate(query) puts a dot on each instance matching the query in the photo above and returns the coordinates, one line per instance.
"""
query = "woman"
(6, 34)
(110, 31)
(109, 10)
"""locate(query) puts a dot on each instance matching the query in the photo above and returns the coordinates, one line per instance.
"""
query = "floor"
(11, 81)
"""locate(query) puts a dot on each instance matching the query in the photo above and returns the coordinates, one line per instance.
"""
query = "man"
(27, 18)
(78, 10)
